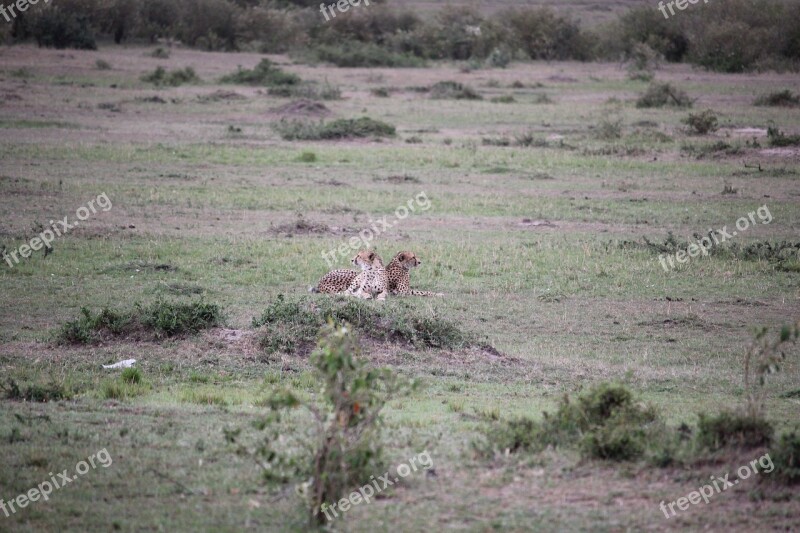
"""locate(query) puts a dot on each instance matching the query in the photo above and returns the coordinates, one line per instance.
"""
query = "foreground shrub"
(292, 130)
(345, 442)
(264, 74)
(292, 325)
(172, 78)
(663, 94)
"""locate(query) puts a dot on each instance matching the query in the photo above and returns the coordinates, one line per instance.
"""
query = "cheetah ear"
(371, 256)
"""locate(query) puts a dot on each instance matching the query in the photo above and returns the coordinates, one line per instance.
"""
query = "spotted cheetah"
(372, 280)
(398, 274)
(337, 281)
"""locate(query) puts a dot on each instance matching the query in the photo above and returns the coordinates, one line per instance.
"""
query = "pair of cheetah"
(374, 279)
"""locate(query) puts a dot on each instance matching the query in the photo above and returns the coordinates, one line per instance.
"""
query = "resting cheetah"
(372, 280)
(399, 281)
(337, 281)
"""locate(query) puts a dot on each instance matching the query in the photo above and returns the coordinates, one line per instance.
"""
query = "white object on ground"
(127, 363)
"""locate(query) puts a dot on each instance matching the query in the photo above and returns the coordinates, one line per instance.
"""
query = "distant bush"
(609, 128)
(542, 34)
(702, 123)
(264, 74)
(173, 78)
(644, 26)
(37, 392)
(453, 90)
(309, 90)
(55, 27)
(359, 54)
(663, 94)
(299, 130)
(160, 53)
(783, 98)
(101, 64)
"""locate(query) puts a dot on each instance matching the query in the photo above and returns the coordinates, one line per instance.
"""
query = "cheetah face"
(408, 260)
(365, 259)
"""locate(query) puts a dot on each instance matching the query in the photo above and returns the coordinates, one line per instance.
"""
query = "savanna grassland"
(543, 196)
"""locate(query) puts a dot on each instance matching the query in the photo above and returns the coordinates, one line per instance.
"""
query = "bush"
(609, 129)
(37, 392)
(345, 443)
(785, 455)
(160, 53)
(663, 94)
(779, 139)
(311, 91)
(783, 98)
(360, 54)
(173, 78)
(543, 34)
(730, 429)
(101, 64)
(337, 129)
(646, 26)
(162, 318)
(55, 27)
(604, 423)
(454, 91)
(702, 123)
(264, 74)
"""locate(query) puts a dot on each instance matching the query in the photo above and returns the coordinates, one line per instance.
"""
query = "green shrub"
(173, 78)
(702, 123)
(162, 318)
(730, 429)
(663, 94)
(609, 129)
(37, 392)
(291, 130)
(131, 375)
(307, 157)
(505, 99)
(645, 26)
(785, 455)
(102, 64)
(56, 27)
(779, 139)
(310, 90)
(265, 74)
(784, 98)
(343, 447)
(170, 318)
(160, 53)
(604, 423)
(360, 54)
(454, 91)
(543, 34)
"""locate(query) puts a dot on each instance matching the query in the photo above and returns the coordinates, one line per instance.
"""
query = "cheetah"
(399, 281)
(337, 281)
(372, 280)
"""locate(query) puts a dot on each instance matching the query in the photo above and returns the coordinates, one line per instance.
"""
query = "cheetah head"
(366, 259)
(407, 260)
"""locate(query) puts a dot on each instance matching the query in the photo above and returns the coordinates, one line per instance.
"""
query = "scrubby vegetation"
(663, 94)
(265, 74)
(161, 318)
(173, 78)
(743, 34)
(345, 442)
(785, 98)
(303, 130)
(702, 123)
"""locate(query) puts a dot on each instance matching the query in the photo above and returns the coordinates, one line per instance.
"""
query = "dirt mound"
(302, 108)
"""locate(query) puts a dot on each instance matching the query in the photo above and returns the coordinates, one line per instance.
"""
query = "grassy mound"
(298, 130)
(292, 326)
(265, 74)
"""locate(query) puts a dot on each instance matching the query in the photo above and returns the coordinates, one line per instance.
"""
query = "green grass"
(539, 246)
